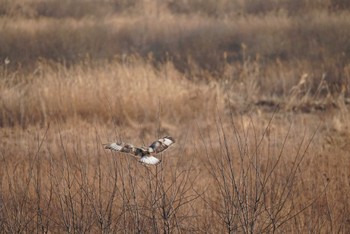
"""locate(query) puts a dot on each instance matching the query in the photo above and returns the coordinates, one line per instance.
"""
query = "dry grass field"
(256, 95)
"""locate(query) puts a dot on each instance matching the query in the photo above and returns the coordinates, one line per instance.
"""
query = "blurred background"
(206, 32)
(288, 53)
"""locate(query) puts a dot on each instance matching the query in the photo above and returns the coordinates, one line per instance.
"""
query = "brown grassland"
(256, 94)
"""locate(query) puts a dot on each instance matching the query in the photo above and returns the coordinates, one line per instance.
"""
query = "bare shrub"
(237, 174)
(255, 192)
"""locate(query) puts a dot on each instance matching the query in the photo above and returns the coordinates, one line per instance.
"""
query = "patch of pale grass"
(122, 92)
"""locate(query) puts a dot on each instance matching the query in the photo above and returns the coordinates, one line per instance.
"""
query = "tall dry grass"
(134, 91)
(235, 168)
(122, 93)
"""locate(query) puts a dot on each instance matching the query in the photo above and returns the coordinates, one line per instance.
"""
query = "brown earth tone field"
(255, 95)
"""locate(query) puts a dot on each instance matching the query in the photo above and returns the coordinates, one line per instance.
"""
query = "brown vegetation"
(257, 97)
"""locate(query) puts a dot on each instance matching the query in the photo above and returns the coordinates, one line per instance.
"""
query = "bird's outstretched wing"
(122, 147)
(161, 145)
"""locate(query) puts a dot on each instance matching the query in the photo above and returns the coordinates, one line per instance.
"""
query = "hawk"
(146, 154)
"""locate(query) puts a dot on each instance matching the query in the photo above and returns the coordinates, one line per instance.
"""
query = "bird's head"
(150, 150)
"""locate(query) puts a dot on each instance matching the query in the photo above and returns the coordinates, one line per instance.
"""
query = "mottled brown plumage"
(146, 154)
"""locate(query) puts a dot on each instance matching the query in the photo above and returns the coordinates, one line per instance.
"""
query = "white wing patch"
(150, 160)
(168, 141)
(114, 146)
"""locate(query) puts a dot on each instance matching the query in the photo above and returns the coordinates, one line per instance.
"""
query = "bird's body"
(146, 154)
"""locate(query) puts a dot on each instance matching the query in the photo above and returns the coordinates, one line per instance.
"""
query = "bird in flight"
(146, 154)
